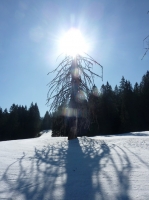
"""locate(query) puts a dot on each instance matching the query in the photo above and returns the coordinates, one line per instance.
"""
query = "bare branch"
(68, 78)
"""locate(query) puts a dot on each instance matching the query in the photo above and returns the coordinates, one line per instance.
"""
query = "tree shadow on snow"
(78, 169)
(91, 177)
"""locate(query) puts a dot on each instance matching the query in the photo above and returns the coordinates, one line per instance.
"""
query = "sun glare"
(73, 43)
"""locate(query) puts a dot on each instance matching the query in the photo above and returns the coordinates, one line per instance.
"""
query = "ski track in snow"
(53, 168)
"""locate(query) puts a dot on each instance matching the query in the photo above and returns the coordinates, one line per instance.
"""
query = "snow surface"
(53, 168)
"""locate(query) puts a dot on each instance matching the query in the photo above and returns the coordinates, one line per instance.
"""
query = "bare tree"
(146, 43)
(70, 88)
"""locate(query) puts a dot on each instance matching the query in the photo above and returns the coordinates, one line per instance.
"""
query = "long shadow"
(83, 168)
(91, 177)
(80, 169)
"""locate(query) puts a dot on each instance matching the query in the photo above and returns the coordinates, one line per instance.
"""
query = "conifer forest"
(110, 111)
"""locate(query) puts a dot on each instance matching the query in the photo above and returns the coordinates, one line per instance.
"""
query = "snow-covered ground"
(53, 168)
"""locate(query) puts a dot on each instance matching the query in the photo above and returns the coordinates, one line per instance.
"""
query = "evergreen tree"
(126, 110)
(46, 122)
(34, 120)
(13, 122)
(60, 124)
(1, 124)
(5, 125)
(144, 89)
(110, 122)
(94, 113)
(137, 111)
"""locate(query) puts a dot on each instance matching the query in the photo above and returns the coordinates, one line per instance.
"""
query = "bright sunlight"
(73, 43)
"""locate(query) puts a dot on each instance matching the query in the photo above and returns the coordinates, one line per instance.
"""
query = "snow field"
(101, 167)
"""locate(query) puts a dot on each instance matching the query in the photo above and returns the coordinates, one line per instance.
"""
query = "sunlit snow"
(101, 167)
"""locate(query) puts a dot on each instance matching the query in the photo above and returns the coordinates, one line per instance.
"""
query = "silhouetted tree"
(144, 89)
(13, 122)
(94, 104)
(46, 123)
(126, 110)
(5, 125)
(34, 120)
(1, 124)
(72, 84)
(137, 109)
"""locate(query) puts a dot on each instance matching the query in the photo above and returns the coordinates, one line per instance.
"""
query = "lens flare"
(80, 96)
(69, 112)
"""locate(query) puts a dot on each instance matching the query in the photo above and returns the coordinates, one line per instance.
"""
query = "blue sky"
(30, 29)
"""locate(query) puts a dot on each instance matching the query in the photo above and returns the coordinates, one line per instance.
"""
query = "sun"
(73, 43)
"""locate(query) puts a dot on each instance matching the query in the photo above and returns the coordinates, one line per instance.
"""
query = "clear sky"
(29, 33)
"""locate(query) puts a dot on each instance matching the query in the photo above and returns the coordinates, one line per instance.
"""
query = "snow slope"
(102, 167)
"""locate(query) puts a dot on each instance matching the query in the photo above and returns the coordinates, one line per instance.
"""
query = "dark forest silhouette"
(22, 123)
(124, 109)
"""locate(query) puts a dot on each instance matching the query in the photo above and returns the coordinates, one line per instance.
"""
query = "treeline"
(110, 111)
(22, 123)
(124, 109)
